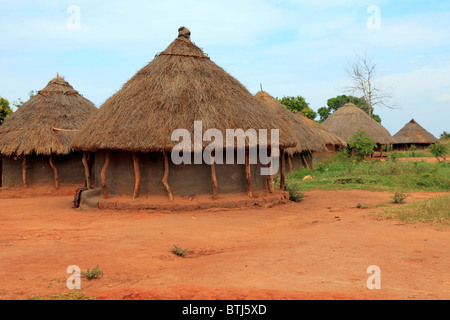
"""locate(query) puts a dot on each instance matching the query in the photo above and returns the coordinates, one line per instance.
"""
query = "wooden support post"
(306, 162)
(24, 171)
(213, 177)
(282, 171)
(55, 172)
(248, 174)
(290, 163)
(270, 176)
(166, 175)
(103, 175)
(87, 171)
(137, 176)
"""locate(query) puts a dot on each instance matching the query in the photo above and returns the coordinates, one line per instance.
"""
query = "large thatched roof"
(326, 136)
(179, 86)
(345, 121)
(412, 132)
(307, 137)
(47, 122)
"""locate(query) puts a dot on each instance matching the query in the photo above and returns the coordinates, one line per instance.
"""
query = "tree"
(361, 144)
(5, 109)
(17, 103)
(298, 104)
(362, 74)
(334, 104)
(445, 135)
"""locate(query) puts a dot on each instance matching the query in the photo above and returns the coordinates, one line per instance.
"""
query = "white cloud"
(443, 98)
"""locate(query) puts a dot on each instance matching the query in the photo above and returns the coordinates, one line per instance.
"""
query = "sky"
(290, 47)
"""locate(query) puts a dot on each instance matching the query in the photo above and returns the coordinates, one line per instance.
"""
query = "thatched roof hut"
(133, 128)
(413, 133)
(306, 137)
(47, 122)
(44, 127)
(345, 121)
(327, 137)
(179, 86)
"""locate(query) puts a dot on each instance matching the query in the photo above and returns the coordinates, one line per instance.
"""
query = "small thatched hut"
(309, 139)
(345, 121)
(35, 139)
(413, 134)
(131, 133)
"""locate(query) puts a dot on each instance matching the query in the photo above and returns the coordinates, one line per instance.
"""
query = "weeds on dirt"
(430, 210)
(294, 193)
(93, 273)
(399, 197)
(179, 251)
(361, 206)
(64, 296)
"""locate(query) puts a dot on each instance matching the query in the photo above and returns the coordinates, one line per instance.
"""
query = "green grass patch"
(64, 296)
(339, 172)
(413, 154)
(430, 210)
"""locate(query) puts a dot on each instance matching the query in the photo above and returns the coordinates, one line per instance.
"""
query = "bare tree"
(362, 73)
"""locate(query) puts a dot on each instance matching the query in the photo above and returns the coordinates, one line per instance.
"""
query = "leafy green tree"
(445, 135)
(439, 150)
(298, 104)
(17, 103)
(334, 104)
(361, 144)
(5, 109)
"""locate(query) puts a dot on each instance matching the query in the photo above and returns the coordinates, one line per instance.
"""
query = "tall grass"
(430, 210)
(340, 172)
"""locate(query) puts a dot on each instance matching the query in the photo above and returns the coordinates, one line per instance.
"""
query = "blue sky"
(292, 47)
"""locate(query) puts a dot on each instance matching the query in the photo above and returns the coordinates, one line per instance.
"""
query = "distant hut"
(413, 134)
(131, 133)
(35, 139)
(308, 137)
(332, 142)
(346, 121)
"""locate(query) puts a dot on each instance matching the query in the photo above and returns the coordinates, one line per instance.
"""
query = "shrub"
(361, 144)
(93, 273)
(179, 251)
(439, 151)
(399, 197)
(294, 193)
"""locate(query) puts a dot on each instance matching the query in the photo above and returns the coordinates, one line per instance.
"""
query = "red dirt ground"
(319, 248)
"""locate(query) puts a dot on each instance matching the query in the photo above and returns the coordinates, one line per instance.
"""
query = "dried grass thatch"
(179, 86)
(47, 122)
(307, 137)
(345, 121)
(413, 133)
(326, 136)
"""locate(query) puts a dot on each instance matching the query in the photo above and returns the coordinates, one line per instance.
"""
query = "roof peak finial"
(184, 32)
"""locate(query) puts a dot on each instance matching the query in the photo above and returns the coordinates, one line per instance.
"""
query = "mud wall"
(184, 179)
(70, 170)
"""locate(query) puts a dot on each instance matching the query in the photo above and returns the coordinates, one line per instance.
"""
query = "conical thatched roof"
(326, 136)
(412, 133)
(345, 121)
(179, 86)
(47, 122)
(306, 137)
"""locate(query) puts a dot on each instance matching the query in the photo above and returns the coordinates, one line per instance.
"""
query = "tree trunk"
(87, 171)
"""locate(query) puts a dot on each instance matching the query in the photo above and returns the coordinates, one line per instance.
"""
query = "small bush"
(439, 150)
(362, 145)
(294, 193)
(179, 251)
(93, 273)
(399, 197)
(361, 206)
